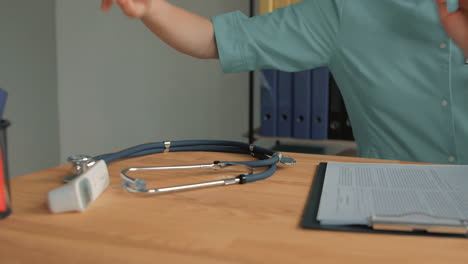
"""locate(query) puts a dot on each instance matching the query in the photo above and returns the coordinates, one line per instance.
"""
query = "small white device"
(82, 188)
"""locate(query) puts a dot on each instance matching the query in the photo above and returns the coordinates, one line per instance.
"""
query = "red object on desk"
(3, 186)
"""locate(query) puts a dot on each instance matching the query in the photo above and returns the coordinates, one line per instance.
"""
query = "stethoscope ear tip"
(137, 185)
(287, 160)
(140, 185)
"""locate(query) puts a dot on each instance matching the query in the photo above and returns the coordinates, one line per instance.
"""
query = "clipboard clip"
(417, 222)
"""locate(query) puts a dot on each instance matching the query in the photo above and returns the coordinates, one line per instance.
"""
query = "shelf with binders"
(337, 147)
(300, 119)
(303, 112)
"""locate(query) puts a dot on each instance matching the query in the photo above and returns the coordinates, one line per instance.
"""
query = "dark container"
(5, 196)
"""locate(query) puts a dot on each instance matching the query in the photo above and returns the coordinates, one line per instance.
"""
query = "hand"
(456, 23)
(131, 8)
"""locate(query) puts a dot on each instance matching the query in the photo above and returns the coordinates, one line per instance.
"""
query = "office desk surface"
(251, 223)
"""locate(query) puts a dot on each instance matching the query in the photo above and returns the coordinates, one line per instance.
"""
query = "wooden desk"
(251, 223)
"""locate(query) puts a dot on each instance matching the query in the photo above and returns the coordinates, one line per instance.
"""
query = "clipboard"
(309, 217)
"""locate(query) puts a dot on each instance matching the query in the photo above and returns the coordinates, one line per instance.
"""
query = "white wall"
(119, 86)
(28, 74)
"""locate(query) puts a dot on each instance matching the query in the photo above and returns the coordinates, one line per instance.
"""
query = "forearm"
(184, 31)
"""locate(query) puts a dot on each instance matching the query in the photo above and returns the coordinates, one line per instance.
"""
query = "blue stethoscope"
(266, 158)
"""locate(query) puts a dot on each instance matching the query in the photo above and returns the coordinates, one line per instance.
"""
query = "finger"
(463, 4)
(106, 4)
(442, 6)
(453, 5)
(127, 6)
(121, 2)
(131, 6)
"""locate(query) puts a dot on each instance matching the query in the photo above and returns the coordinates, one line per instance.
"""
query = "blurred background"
(83, 81)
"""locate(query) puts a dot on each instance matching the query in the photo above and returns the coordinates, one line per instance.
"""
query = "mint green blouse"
(404, 81)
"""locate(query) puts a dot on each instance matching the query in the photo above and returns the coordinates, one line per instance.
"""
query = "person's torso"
(404, 81)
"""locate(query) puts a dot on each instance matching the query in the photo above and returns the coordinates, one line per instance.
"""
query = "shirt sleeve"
(294, 38)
